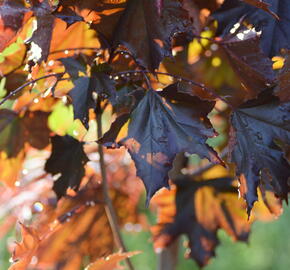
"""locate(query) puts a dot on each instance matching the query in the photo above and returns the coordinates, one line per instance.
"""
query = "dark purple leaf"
(258, 127)
(275, 33)
(84, 87)
(162, 125)
(68, 159)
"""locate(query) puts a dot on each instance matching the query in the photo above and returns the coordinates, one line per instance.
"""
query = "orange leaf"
(110, 262)
(25, 250)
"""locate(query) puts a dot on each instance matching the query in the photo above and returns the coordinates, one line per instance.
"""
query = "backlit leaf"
(110, 262)
(246, 58)
(148, 34)
(199, 209)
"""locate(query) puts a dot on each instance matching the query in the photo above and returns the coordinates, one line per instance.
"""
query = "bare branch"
(14, 92)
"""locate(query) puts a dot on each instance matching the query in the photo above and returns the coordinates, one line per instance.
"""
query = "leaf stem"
(109, 208)
(14, 92)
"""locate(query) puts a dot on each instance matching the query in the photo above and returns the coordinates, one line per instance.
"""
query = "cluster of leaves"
(160, 77)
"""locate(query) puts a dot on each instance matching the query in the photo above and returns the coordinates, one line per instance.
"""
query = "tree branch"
(109, 208)
(76, 49)
(14, 92)
(179, 78)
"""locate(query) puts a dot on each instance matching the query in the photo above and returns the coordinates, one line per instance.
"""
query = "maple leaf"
(258, 126)
(85, 87)
(24, 251)
(202, 208)
(162, 125)
(67, 158)
(69, 228)
(275, 33)
(110, 262)
(148, 34)
(199, 207)
(246, 57)
(81, 220)
(282, 90)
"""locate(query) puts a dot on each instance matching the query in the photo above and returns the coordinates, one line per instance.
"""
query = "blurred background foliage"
(268, 248)
(27, 193)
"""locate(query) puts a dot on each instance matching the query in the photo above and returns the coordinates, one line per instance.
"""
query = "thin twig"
(148, 83)
(109, 208)
(14, 92)
(142, 70)
(180, 78)
(75, 49)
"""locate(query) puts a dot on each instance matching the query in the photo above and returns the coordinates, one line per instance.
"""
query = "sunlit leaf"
(110, 262)
(148, 34)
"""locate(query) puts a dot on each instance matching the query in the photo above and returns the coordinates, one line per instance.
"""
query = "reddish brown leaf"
(246, 58)
(148, 35)
(199, 209)
(25, 250)
(15, 131)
